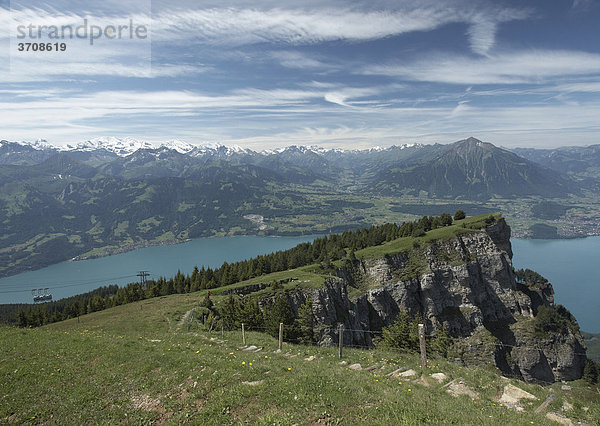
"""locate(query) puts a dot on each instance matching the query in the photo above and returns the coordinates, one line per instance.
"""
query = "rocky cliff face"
(465, 283)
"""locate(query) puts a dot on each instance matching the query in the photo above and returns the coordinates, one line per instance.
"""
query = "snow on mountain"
(41, 144)
(211, 148)
(180, 146)
(127, 146)
(38, 145)
(120, 146)
(303, 149)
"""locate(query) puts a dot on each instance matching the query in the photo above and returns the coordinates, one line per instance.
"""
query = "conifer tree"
(280, 312)
(251, 315)
(305, 323)
(229, 311)
(397, 335)
(590, 371)
(459, 215)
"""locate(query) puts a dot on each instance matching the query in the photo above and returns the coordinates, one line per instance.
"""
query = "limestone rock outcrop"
(465, 283)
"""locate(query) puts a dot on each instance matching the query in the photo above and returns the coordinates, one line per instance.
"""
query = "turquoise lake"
(573, 268)
(70, 278)
(570, 265)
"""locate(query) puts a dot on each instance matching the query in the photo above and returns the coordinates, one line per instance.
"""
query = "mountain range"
(109, 195)
(468, 168)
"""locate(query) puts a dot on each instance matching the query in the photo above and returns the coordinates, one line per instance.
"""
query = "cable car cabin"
(41, 295)
(42, 298)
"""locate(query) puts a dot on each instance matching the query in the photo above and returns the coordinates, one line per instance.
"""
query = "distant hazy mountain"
(576, 161)
(466, 169)
(23, 154)
(472, 169)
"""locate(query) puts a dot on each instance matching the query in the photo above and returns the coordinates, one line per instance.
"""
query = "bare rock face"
(551, 359)
(465, 283)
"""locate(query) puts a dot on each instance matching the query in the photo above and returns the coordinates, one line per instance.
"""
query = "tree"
(305, 323)
(441, 342)
(590, 371)
(446, 219)
(280, 312)
(250, 314)
(195, 279)
(397, 335)
(229, 310)
(418, 232)
(555, 319)
(459, 215)
(23, 321)
(97, 304)
(206, 302)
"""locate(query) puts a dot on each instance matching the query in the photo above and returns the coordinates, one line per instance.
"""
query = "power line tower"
(143, 275)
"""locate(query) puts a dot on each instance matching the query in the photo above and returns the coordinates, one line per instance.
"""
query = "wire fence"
(333, 332)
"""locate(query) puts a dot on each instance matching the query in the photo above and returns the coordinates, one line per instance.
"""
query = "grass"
(136, 364)
(400, 245)
(303, 277)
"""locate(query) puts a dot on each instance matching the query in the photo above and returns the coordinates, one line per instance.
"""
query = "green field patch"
(121, 228)
(74, 239)
(147, 224)
(97, 229)
(183, 206)
(146, 196)
(167, 236)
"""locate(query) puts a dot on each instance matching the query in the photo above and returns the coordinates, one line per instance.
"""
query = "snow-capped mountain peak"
(180, 146)
(120, 146)
(40, 144)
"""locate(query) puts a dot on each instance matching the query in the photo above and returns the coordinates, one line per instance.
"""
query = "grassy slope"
(470, 224)
(135, 363)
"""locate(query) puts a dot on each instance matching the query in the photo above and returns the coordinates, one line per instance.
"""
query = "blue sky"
(333, 73)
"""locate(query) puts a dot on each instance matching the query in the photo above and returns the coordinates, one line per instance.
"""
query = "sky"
(349, 74)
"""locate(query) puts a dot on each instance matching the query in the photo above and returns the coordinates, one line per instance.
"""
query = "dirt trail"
(185, 318)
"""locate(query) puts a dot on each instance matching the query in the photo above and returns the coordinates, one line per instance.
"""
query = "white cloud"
(460, 109)
(234, 26)
(299, 60)
(239, 26)
(482, 35)
(534, 66)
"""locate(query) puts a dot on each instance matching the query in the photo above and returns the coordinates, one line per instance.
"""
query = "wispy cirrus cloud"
(532, 66)
(230, 27)
(235, 26)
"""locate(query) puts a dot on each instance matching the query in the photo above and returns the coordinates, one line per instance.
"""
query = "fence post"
(422, 345)
(341, 339)
(280, 335)
(243, 335)
(222, 330)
